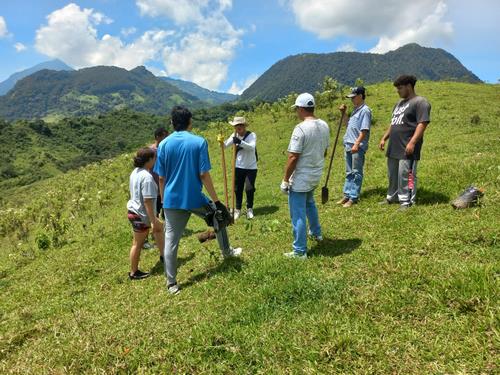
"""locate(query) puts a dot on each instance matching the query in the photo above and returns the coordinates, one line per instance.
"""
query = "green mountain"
(305, 72)
(9, 83)
(385, 292)
(209, 96)
(91, 91)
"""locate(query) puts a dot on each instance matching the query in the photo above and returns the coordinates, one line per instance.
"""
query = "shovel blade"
(324, 195)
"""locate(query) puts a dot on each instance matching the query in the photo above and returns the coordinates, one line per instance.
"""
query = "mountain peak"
(426, 63)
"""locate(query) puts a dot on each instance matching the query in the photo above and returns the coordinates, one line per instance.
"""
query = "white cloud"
(157, 72)
(128, 31)
(3, 28)
(20, 47)
(71, 35)
(201, 59)
(348, 47)
(238, 89)
(393, 22)
(203, 53)
(180, 11)
(425, 33)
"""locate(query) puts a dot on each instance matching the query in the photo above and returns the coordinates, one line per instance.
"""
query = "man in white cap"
(246, 164)
(303, 170)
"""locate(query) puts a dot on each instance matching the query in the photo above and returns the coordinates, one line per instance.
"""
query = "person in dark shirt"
(410, 118)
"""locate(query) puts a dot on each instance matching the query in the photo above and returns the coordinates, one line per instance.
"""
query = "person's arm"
(206, 179)
(343, 111)
(148, 204)
(291, 164)
(229, 141)
(357, 142)
(385, 137)
(250, 143)
(417, 136)
(161, 187)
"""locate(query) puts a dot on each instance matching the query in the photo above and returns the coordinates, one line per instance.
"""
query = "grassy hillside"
(386, 292)
(35, 150)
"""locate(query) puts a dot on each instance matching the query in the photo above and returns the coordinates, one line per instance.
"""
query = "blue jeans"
(302, 207)
(354, 174)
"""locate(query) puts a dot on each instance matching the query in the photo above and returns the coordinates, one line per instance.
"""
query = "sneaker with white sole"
(147, 246)
(293, 254)
(250, 214)
(173, 289)
(237, 214)
(315, 238)
(234, 252)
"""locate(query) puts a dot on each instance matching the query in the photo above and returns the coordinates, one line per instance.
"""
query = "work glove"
(220, 139)
(236, 140)
(222, 214)
(285, 187)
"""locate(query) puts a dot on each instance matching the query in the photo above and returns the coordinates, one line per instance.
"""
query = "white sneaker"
(250, 214)
(234, 252)
(174, 289)
(316, 238)
(293, 254)
(237, 214)
(147, 246)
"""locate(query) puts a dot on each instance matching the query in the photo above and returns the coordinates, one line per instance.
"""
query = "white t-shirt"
(142, 185)
(245, 158)
(310, 139)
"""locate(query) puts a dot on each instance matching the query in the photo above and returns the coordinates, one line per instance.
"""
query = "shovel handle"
(334, 148)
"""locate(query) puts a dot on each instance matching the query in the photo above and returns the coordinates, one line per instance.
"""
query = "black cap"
(360, 90)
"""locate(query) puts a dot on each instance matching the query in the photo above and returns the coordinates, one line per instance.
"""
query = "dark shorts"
(137, 224)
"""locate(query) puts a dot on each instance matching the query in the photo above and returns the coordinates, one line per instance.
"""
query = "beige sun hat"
(238, 121)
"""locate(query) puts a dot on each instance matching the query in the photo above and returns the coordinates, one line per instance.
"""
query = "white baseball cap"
(238, 121)
(304, 100)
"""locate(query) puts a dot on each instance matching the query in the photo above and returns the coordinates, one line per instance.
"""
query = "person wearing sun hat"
(356, 140)
(246, 164)
(303, 171)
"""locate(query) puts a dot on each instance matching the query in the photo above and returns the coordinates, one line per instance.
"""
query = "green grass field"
(386, 292)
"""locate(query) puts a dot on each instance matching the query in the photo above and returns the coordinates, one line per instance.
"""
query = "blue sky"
(226, 44)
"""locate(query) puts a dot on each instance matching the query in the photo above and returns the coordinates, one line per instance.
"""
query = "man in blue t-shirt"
(184, 167)
(356, 140)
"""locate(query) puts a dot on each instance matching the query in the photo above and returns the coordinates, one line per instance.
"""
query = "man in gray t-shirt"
(303, 170)
(410, 118)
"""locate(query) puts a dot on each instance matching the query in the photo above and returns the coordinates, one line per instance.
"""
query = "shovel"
(324, 189)
(224, 173)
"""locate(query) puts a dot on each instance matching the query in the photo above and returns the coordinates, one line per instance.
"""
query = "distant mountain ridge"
(209, 96)
(91, 91)
(305, 72)
(10, 82)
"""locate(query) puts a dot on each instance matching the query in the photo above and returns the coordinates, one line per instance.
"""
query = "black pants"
(245, 180)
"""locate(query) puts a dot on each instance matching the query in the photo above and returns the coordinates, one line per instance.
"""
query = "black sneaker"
(162, 260)
(138, 275)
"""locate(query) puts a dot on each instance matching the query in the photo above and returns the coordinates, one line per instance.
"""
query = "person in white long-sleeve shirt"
(246, 164)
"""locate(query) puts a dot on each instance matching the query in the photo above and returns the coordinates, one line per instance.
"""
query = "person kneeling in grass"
(141, 209)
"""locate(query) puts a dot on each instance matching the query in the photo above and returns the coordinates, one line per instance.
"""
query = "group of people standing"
(182, 164)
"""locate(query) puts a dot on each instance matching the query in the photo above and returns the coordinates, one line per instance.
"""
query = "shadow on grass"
(265, 210)
(378, 191)
(158, 268)
(424, 196)
(227, 265)
(335, 248)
